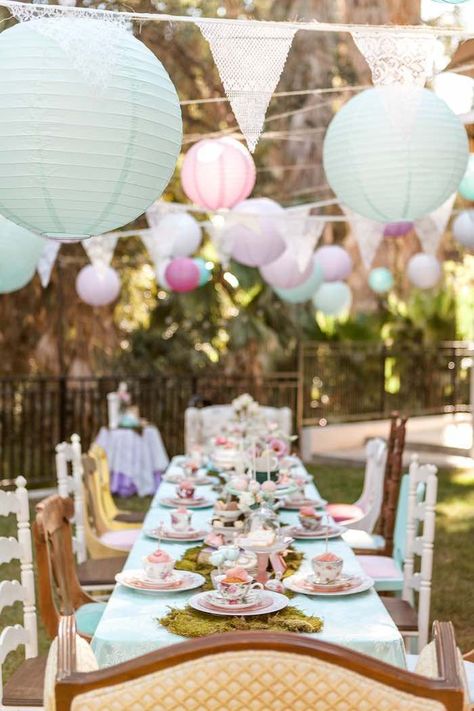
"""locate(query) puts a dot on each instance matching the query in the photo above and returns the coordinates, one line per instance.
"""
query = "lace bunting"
(430, 229)
(367, 233)
(46, 261)
(100, 249)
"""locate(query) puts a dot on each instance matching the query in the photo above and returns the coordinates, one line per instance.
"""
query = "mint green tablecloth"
(128, 627)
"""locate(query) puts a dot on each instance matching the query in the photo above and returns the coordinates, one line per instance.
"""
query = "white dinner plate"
(136, 580)
(295, 583)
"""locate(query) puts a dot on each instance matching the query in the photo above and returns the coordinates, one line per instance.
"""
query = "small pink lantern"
(182, 274)
(335, 262)
(97, 285)
(284, 272)
(260, 243)
(218, 173)
(398, 229)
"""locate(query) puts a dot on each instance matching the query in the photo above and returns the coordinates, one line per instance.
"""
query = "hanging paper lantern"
(217, 173)
(381, 280)
(304, 292)
(284, 272)
(204, 272)
(97, 285)
(257, 240)
(182, 274)
(179, 233)
(424, 271)
(160, 272)
(335, 262)
(395, 153)
(332, 298)
(20, 251)
(466, 186)
(78, 159)
(398, 229)
(463, 229)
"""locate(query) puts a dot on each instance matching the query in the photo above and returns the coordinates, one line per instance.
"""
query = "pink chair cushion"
(344, 512)
(122, 540)
(380, 566)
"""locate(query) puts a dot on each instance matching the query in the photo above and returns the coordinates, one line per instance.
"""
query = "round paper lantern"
(398, 229)
(284, 272)
(97, 286)
(182, 274)
(395, 153)
(381, 280)
(335, 262)
(20, 251)
(160, 272)
(217, 173)
(204, 272)
(463, 228)
(466, 186)
(78, 159)
(257, 240)
(180, 233)
(424, 271)
(332, 298)
(304, 292)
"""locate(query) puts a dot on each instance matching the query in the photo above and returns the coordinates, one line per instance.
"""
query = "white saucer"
(276, 602)
(217, 600)
(296, 583)
(297, 503)
(320, 534)
(198, 503)
(136, 580)
(171, 536)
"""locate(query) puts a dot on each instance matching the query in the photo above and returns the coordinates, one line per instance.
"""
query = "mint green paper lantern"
(466, 186)
(381, 280)
(91, 126)
(395, 153)
(333, 298)
(20, 251)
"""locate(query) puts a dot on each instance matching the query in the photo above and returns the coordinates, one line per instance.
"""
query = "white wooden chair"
(364, 513)
(413, 619)
(24, 688)
(200, 424)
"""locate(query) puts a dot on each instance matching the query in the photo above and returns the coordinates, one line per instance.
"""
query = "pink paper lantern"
(335, 262)
(217, 173)
(398, 229)
(97, 286)
(284, 272)
(260, 243)
(182, 274)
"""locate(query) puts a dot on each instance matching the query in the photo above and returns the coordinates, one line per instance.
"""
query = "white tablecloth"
(136, 461)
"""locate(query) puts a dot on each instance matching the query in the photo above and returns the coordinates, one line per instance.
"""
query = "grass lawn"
(453, 576)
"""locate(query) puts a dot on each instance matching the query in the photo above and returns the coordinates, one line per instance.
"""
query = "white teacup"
(327, 568)
(181, 520)
(235, 592)
(157, 571)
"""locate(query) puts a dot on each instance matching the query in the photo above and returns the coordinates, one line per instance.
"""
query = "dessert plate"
(197, 503)
(347, 585)
(168, 535)
(267, 603)
(321, 533)
(178, 581)
(294, 504)
(216, 600)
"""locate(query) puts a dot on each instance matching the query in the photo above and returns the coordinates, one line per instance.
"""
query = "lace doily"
(250, 57)
(430, 229)
(367, 233)
(303, 233)
(397, 57)
(46, 261)
(100, 249)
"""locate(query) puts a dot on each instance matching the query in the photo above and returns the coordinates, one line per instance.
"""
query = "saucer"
(320, 534)
(276, 547)
(294, 504)
(197, 503)
(170, 536)
(269, 602)
(216, 600)
(351, 586)
(177, 581)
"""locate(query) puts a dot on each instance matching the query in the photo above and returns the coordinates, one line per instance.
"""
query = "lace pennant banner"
(250, 57)
(303, 234)
(100, 249)
(397, 57)
(368, 235)
(159, 246)
(46, 261)
(431, 229)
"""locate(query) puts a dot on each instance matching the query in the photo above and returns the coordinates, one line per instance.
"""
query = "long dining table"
(129, 626)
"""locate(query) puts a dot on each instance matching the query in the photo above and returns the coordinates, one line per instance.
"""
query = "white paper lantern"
(424, 271)
(179, 233)
(333, 298)
(78, 159)
(97, 285)
(463, 229)
(160, 272)
(395, 153)
(258, 239)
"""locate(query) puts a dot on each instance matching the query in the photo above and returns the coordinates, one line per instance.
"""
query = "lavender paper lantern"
(257, 240)
(182, 274)
(180, 232)
(333, 298)
(284, 272)
(335, 262)
(303, 292)
(398, 229)
(97, 286)
(217, 173)
(424, 271)
(463, 229)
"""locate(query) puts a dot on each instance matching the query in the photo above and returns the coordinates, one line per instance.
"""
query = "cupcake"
(310, 519)
(158, 565)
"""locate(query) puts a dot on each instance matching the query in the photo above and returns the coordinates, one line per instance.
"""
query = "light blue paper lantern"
(395, 153)
(466, 186)
(303, 292)
(20, 251)
(204, 272)
(78, 157)
(381, 280)
(332, 298)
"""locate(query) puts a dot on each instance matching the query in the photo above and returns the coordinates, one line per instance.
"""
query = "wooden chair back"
(257, 670)
(393, 474)
(420, 534)
(69, 474)
(57, 577)
(103, 474)
(11, 591)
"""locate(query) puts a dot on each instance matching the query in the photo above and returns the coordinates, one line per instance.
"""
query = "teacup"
(311, 523)
(185, 490)
(236, 592)
(181, 520)
(327, 567)
(158, 571)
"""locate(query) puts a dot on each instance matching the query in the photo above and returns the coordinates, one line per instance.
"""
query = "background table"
(136, 460)
(129, 626)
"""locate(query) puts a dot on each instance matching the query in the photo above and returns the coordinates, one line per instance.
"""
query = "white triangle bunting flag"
(46, 261)
(303, 233)
(100, 249)
(430, 229)
(367, 233)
